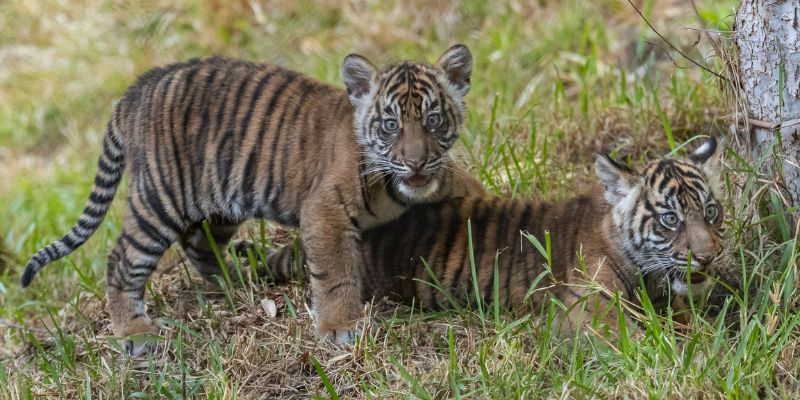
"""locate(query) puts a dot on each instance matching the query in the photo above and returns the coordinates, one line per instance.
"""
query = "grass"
(553, 83)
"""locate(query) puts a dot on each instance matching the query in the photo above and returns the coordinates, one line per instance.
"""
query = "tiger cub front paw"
(348, 335)
(138, 336)
(341, 336)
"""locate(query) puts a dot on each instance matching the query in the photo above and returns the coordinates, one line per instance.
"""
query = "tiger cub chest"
(381, 208)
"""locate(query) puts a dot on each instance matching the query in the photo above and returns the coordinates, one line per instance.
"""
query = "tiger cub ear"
(618, 179)
(358, 75)
(456, 63)
(707, 156)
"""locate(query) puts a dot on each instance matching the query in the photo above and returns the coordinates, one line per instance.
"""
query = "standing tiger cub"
(645, 226)
(225, 140)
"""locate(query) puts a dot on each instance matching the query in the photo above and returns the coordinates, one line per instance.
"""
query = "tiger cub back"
(646, 224)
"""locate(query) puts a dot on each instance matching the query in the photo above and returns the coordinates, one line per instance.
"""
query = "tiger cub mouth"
(416, 181)
(696, 278)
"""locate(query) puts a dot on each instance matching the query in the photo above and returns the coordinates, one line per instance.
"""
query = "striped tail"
(109, 172)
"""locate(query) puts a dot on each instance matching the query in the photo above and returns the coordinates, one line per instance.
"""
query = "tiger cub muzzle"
(418, 171)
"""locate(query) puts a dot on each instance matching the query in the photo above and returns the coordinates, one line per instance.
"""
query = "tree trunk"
(768, 37)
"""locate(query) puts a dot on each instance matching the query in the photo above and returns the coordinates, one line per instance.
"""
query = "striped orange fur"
(224, 140)
(620, 234)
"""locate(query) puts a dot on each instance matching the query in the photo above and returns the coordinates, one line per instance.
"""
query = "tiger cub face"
(408, 116)
(668, 214)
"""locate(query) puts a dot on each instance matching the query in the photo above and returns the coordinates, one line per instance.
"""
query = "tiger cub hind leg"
(283, 264)
(130, 264)
(198, 248)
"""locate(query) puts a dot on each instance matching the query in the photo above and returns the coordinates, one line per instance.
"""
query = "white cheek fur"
(681, 288)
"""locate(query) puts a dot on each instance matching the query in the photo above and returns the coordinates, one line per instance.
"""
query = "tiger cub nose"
(415, 165)
(703, 259)
(697, 259)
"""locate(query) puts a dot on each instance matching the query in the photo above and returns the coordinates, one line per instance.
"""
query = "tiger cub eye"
(390, 125)
(433, 121)
(670, 220)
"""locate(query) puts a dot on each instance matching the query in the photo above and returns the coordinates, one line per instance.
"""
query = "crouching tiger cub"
(225, 140)
(648, 224)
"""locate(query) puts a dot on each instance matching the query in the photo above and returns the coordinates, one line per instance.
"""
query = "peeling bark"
(768, 38)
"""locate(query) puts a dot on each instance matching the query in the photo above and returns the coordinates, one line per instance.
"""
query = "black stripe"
(502, 232)
(50, 253)
(467, 207)
(435, 220)
(663, 184)
(221, 115)
(365, 198)
(68, 241)
(481, 212)
(338, 286)
(318, 276)
(153, 199)
(178, 100)
(148, 228)
(509, 235)
(141, 247)
(490, 249)
(663, 166)
(200, 139)
(102, 165)
(649, 207)
(244, 123)
(393, 88)
(391, 190)
(248, 183)
(216, 107)
(156, 105)
(100, 199)
(277, 94)
(523, 222)
(453, 226)
(629, 289)
(108, 143)
(148, 270)
(190, 98)
(104, 183)
(340, 198)
(224, 161)
(90, 212)
(688, 172)
(225, 168)
(306, 88)
(87, 226)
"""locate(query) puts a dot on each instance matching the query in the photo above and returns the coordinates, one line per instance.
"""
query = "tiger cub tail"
(109, 173)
